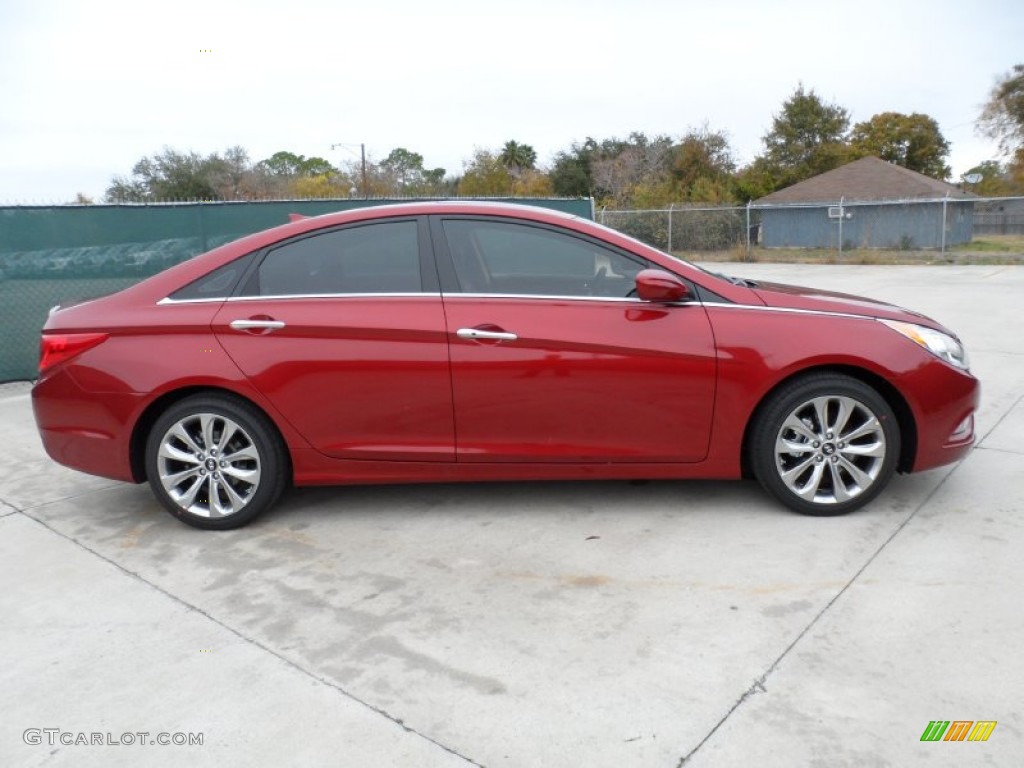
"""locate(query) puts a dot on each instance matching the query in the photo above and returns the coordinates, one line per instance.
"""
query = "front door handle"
(256, 325)
(477, 334)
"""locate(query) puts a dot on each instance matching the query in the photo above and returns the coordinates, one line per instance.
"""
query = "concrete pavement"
(541, 624)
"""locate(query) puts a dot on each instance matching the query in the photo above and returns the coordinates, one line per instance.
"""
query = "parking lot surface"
(536, 624)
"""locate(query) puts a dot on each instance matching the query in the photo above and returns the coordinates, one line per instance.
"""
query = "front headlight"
(940, 344)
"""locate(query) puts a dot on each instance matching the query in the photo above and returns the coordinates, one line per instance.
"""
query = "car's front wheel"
(215, 462)
(825, 444)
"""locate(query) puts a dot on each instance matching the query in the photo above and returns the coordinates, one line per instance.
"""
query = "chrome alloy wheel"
(830, 449)
(208, 465)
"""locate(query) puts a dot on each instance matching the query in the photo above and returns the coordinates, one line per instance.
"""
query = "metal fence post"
(748, 230)
(670, 206)
(945, 200)
(841, 215)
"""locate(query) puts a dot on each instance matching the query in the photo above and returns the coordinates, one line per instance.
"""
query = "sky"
(88, 87)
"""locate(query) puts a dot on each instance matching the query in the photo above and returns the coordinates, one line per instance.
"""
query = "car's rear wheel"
(215, 462)
(825, 444)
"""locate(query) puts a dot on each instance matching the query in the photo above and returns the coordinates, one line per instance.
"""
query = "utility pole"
(362, 158)
(362, 152)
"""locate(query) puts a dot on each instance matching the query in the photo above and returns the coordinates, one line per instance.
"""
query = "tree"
(485, 176)
(756, 180)
(434, 181)
(229, 172)
(703, 167)
(913, 141)
(620, 166)
(1002, 118)
(288, 164)
(807, 138)
(997, 180)
(322, 186)
(169, 175)
(404, 166)
(532, 183)
(571, 174)
(407, 175)
(641, 171)
(517, 157)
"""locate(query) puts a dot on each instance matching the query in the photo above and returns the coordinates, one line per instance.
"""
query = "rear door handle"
(476, 333)
(256, 325)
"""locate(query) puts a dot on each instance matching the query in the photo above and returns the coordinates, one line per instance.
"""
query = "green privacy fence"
(50, 254)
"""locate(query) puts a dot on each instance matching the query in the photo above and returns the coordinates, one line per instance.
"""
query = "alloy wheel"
(830, 449)
(209, 465)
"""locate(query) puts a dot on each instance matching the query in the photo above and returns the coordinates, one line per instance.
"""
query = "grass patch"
(993, 244)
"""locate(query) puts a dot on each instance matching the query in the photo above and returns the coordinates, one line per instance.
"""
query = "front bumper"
(944, 409)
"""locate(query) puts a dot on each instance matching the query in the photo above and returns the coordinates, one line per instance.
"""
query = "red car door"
(344, 332)
(553, 360)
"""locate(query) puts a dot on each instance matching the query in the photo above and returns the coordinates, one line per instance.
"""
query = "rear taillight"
(55, 348)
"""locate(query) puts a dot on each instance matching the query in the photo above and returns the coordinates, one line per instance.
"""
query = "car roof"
(451, 206)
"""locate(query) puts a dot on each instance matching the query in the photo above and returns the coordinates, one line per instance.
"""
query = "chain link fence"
(840, 226)
(687, 229)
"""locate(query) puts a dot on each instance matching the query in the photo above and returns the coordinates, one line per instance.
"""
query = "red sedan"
(471, 341)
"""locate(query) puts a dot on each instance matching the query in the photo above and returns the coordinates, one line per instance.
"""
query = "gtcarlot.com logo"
(958, 730)
(56, 736)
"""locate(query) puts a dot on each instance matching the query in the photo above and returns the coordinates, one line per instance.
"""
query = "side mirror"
(659, 285)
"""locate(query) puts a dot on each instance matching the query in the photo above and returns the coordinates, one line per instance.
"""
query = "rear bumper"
(83, 430)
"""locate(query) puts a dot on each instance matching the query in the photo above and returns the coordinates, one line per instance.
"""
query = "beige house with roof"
(875, 204)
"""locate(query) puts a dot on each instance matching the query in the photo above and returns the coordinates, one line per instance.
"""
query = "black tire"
(824, 444)
(215, 462)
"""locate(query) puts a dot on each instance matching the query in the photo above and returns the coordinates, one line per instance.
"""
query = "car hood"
(798, 297)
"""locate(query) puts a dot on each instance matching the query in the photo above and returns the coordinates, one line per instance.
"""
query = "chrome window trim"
(549, 297)
(168, 300)
(789, 310)
(286, 297)
(447, 296)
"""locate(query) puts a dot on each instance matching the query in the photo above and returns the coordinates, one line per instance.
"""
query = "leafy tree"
(641, 171)
(1002, 118)
(485, 176)
(288, 164)
(620, 166)
(997, 180)
(228, 173)
(173, 175)
(703, 167)
(322, 186)
(571, 173)
(532, 183)
(169, 175)
(434, 181)
(286, 174)
(518, 157)
(807, 138)
(405, 171)
(913, 141)
(756, 180)
(404, 166)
